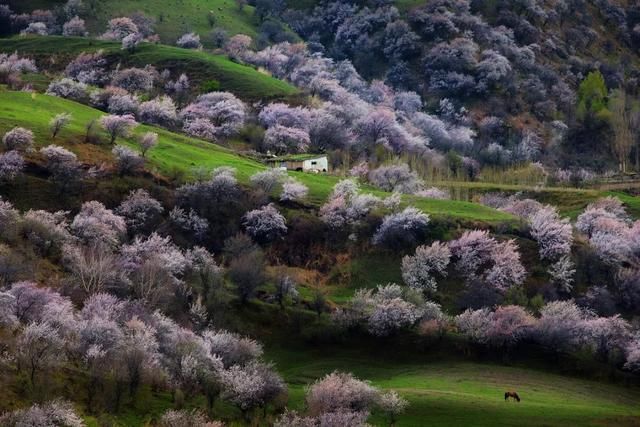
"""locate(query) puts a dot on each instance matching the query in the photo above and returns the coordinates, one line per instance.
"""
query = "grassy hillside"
(461, 393)
(178, 152)
(173, 17)
(201, 67)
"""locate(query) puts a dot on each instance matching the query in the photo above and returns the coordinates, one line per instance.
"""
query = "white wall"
(319, 164)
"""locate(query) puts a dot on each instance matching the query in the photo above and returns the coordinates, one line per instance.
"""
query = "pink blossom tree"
(607, 334)
(267, 181)
(179, 88)
(190, 222)
(119, 28)
(88, 68)
(59, 122)
(237, 46)
(11, 165)
(75, 27)
(39, 347)
(135, 79)
(402, 229)
(562, 325)
(153, 268)
(251, 386)
(123, 104)
(148, 141)
(128, 161)
(281, 140)
(223, 111)
(62, 164)
(633, 355)
(507, 269)
(293, 191)
(118, 126)
(140, 210)
(392, 405)
(19, 139)
(160, 111)
(231, 348)
(553, 234)
(265, 224)
(93, 267)
(67, 88)
(53, 413)
(396, 178)
(189, 41)
(95, 223)
(340, 391)
(420, 270)
(278, 113)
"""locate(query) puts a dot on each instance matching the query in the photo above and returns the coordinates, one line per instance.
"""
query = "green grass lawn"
(468, 394)
(201, 67)
(178, 152)
(173, 17)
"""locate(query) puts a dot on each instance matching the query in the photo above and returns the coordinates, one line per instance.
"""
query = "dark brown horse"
(512, 394)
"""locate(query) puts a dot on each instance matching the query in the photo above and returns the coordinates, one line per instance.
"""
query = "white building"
(316, 163)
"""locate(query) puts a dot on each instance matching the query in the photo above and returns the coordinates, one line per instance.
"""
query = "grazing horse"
(512, 394)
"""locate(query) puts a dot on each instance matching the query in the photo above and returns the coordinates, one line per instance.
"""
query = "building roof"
(296, 157)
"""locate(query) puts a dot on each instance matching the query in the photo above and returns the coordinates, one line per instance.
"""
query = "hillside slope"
(201, 67)
(173, 17)
(176, 151)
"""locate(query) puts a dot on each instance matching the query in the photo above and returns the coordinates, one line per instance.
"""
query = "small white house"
(315, 163)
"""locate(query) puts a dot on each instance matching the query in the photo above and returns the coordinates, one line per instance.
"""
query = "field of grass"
(181, 153)
(462, 393)
(570, 201)
(201, 67)
(173, 17)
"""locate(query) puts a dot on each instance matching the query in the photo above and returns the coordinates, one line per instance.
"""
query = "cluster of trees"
(388, 309)
(12, 67)
(505, 53)
(62, 165)
(562, 326)
(120, 92)
(553, 234)
(611, 236)
(122, 345)
(476, 256)
(63, 19)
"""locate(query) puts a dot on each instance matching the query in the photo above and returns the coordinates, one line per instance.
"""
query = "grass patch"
(201, 67)
(464, 393)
